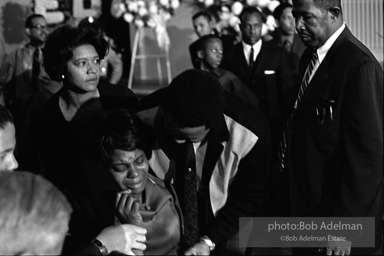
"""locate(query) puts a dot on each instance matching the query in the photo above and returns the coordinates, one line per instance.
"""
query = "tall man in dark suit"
(267, 74)
(335, 143)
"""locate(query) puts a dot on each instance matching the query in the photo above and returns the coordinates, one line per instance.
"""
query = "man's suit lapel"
(239, 54)
(258, 68)
(318, 81)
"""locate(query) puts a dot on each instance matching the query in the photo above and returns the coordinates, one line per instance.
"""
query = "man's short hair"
(251, 10)
(34, 215)
(28, 21)
(204, 40)
(5, 117)
(194, 98)
(327, 4)
(205, 14)
(279, 10)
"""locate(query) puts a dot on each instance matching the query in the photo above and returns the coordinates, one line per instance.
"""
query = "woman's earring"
(62, 76)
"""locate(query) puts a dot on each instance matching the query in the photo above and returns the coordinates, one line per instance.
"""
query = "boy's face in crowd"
(7, 147)
(202, 26)
(213, 53)
(287, 22)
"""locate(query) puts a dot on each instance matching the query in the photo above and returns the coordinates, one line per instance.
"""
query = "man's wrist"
(208, 241)
(100, 246)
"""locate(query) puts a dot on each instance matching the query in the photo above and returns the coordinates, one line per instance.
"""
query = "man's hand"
(123, 238)
(201, 248)
(335, 246)
(128, 208)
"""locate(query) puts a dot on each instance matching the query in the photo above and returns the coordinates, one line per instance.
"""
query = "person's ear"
(212, 24)
(277, 22)
(28, 31)
(200, 54)
(335, 12)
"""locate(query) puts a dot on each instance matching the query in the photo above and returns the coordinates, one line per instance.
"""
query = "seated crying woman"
(142, 199)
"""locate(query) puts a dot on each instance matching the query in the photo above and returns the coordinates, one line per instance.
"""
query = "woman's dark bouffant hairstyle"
(194, 98)
(58, 49)
(123, 130)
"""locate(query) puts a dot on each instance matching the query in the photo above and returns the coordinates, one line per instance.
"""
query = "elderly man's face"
(7, 147)
(314, 25)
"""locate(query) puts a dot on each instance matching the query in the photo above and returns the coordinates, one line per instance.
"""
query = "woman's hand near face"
(127, 207)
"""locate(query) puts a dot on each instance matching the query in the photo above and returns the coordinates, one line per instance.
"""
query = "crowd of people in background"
(288, 124)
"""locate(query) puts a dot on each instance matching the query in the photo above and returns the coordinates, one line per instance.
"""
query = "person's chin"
(137, 187)
(308, 41)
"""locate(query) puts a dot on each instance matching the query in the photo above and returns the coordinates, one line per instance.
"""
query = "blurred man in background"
(25, 86)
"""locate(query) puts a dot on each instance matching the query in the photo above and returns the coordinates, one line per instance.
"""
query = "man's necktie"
(187, 191)
(287, 45)
(303, 87)
(35, 68)
(251, 57)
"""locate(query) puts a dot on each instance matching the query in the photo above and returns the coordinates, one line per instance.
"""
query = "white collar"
(256, 47)
(323, 50)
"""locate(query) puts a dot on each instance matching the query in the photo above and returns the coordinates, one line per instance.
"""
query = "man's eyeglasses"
(39, 27)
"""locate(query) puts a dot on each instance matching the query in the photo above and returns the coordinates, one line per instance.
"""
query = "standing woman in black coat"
(67, 128)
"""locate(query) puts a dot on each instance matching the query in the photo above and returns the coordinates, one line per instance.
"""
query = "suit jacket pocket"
(324, 111)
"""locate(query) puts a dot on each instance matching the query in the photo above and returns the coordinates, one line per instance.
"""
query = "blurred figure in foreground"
(7, 141)
(34, 215)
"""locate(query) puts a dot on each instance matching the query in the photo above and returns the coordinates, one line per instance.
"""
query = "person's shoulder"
(225, 74)
(245, 114)
(53, 101)
(348, 53)
(194, 45)
(117, 96)
(271, 46)
(228, 39)
(156, 181)
(15, 54)
(152, 100)
(358, 52)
